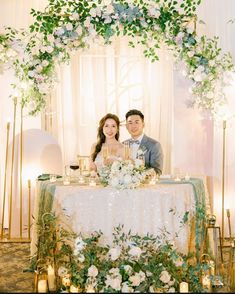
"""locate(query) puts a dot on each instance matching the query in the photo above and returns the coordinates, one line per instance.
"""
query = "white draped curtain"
(114, 79)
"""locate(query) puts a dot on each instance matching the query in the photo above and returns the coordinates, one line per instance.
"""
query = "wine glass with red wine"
(74, 166)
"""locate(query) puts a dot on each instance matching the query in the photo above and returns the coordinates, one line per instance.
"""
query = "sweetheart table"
(155, 209)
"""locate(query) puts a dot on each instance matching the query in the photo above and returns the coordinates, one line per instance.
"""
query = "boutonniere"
(141, 151)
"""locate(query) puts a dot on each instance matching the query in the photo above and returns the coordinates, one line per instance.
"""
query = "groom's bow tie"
(132, 141)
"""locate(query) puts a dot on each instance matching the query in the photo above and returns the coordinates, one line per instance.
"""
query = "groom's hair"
(134, 112)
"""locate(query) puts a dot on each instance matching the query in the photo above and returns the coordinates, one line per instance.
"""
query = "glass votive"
(153, 181)
(52, 178)
(81, 180)
(66, 180)
(92, 182)
(187, 177)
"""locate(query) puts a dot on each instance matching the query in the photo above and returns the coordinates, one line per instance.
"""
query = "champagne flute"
(127, 150)
(105, 152)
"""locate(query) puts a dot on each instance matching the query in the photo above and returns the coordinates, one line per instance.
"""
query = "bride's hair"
(101, 136)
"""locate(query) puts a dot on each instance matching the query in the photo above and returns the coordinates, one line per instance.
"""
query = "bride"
(107, 148)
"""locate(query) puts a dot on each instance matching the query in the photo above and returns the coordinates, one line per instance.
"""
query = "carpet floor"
(14, 259)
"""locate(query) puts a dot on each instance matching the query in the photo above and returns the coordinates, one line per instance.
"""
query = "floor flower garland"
(132, 263)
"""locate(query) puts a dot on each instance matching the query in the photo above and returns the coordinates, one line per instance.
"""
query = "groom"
(139, 141)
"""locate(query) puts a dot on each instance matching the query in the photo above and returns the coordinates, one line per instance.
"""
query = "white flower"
(135, 280)
(127, 179)
(69, 26)
(135, 251)
(62, 271)
(142, 276)
(114, 271)
(128, 269)
(59, 31)
(178, 262)
(49, 49)
(114, 182)
(75, 16)
(126, 288)
(79, 245)
(190, 54)
(110, 9)
(171, 290)
(114, 253)
(114, 283)
(81, 258)
(87, 22)
(45, 63)
(51, 38)
(92, 271)
(165, 277)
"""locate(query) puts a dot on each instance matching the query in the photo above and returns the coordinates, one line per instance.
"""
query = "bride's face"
(110, 128)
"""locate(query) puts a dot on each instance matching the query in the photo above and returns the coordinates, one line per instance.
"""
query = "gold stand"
(12, 165)
(223, 175)
(29, 208)
(21, 164)
(5, 179)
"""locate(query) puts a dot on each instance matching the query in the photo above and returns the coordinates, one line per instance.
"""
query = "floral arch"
(65, 26)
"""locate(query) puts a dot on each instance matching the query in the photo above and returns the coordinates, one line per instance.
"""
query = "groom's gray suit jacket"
(152, 152)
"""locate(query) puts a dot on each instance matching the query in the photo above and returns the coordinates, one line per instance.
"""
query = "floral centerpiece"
(123, 174)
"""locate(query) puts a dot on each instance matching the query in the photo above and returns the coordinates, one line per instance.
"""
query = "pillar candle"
(183, 287)
(42, 286)
(51, 278)
(90, 289)
(74, 289)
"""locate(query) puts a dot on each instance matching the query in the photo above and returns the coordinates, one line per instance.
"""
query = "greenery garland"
(65, 26)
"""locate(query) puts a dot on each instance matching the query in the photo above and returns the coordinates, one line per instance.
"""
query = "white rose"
(92, 271)
(79, 30)
(114, 253)
(135, 280)
(142, 276)
(135, 251)
(165, 277)
(114, 182)
(110, 9)
(113, 283)
(45, 63)
(81, 258)
(50, 38)
(59, 31)
(69, 27)
(190, 54)
(49, 49)
(114, 271)
(79, 244)
(127, 179)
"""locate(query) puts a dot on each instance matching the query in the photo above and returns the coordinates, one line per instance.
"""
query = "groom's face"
(135, 125)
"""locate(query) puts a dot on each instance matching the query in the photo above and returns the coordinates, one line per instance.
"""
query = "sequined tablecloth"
(148, 209)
